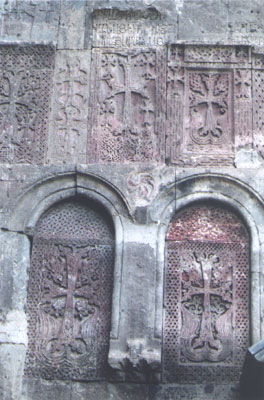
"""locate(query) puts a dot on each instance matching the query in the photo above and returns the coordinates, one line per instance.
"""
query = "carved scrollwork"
(141, 184)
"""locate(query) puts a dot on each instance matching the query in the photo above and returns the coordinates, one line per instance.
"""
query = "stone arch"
(206, 295)
(44, 194)
(229, 192)
(70, 292)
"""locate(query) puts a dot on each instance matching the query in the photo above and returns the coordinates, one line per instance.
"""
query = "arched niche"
(229, 192)
(70, 292)
(206, 295)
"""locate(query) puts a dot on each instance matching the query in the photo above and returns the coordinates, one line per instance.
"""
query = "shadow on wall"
(251, 381)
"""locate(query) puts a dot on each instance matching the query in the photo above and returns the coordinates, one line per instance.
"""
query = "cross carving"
(70, 273)
(13, 98)
(210, 90)
(128, 88)
(200, 283)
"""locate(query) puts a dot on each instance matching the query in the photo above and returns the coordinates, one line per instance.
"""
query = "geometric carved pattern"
(206, 332)
(25, 76)
(209, 104)
(127, 106)
(258, 104)
(70, 292)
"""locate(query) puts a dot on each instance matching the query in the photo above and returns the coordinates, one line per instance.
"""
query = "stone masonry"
(132, 197)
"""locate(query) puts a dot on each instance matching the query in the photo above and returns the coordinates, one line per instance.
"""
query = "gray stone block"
(40, 389)
(11, 370)
(201, 21)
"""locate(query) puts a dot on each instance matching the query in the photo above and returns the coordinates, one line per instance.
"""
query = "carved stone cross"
(209, 90)
(127, 88)
(200, 283)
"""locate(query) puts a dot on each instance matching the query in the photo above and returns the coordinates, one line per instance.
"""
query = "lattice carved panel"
(69, 295)
(127, 106)
(206, 326)
(25, 76)
(258, 103)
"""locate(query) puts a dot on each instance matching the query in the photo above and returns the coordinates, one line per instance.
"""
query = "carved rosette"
(206, 296)
(141, 185)
(24, 102)
(127, 106)
(69, 297)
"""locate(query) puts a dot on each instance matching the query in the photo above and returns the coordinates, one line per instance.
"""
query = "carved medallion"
(206, 330)
(69, 297)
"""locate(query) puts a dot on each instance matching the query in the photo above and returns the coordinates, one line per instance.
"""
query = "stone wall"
(142, 107)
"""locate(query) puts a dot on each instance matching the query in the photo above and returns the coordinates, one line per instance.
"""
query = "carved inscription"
(69, 299)
(25, 76)
(68, 129)
(133, 28)
(206, 329)
(127, 106)
(250, 32)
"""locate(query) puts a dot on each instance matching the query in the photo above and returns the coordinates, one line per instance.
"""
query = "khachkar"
(25, 76)
(209, 103)
(127, 107)
(70, 292)
(206, 332)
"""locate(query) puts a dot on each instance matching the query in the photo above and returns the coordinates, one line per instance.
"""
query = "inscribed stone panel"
(69, 294)
(127, 106)
(134, 28)
(68, 125)
(205, 84)
(206, 331)
(25, 76)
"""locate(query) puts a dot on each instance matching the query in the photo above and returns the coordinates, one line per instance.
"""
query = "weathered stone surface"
(70, 293)
(68, 133)
(14, 255)
(24, 102)
(208, 117)
(245, 21)
(155, 105)
(11, 370)
(193, 392)
(201, 21)
(40, 389)
(127, 106)
(27, 21)
(108, 391)
(71, 32)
